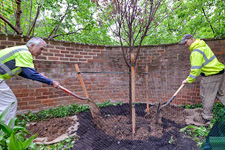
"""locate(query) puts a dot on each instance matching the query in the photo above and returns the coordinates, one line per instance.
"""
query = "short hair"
(36, 41)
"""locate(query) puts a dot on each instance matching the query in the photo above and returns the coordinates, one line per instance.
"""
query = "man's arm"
(32, 74)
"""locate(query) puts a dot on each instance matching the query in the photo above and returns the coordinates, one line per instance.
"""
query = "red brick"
(60, 55)
(9, 43)
(49, 101)
(2, 38)
(96, 51)
(55, 43)
(14, 39)
(47, 54)
(53, 58)
(34, 102)
(54, 51)
(88, 57)
(41, 90)
(61, 48)
(221, 52)
(20, 43)
(65, 59)
(68, 55)
(2, 47)
(78, 56)
(73, 59)
(65, 52)
(74, 53)
(42, 97)
(68, 48)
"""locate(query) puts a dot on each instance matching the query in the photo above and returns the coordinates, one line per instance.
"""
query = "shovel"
(91, 103)
(167, 103)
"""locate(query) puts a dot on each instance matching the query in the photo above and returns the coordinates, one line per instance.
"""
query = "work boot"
(200, 120)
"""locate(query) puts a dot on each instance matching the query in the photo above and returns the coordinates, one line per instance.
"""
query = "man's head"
(36, 45)
(187, 40)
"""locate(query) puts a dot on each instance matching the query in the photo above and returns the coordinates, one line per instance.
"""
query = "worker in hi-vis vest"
(204, 63)
(18, 60)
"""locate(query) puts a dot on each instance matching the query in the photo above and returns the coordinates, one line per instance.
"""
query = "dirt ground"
(113, 131)
(51, 128)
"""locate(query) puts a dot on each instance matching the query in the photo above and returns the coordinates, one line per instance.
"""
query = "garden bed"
(113, 131)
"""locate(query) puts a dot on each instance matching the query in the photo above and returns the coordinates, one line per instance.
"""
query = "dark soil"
(114, 130)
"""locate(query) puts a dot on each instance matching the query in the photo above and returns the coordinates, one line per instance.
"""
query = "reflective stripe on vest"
(192, 76)
(206, 59)
(5, 67)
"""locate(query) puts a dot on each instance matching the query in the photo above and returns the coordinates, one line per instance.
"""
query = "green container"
(216, 143)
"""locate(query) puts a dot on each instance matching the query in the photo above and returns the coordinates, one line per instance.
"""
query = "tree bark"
(18, 16)
(7, 22)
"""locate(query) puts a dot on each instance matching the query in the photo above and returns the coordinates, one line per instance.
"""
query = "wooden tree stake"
(83, 87)
(133, 93)
(147, 99)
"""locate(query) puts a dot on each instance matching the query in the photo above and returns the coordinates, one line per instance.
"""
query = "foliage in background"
(68, 20)
(191, 106)
(202, 18)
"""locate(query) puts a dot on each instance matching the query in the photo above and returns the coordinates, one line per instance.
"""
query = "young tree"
(130, 21)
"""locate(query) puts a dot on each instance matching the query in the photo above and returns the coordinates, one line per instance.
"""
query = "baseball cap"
(185, 38)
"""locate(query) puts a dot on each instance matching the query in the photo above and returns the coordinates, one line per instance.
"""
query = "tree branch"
(7, 22)
(68, 33)
(35, 20)
(54, 31)
(208, 20)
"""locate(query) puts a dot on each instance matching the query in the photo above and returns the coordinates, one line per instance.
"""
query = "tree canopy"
(76, 20)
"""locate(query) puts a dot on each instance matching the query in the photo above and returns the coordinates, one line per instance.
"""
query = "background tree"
(68, 20)
(202, 18)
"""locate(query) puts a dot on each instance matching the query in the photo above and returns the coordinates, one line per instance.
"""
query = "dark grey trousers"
(211, 87)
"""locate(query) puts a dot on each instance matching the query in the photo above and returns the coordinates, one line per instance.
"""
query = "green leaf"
(13, 121)
(17, 128)
(28, 142)
(14, 144)
(7, 130)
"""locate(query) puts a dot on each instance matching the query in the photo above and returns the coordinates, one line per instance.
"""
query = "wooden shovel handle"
(175, 94)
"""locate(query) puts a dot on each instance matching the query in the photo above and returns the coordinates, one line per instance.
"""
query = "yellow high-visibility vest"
(202, 60)
(12, 59)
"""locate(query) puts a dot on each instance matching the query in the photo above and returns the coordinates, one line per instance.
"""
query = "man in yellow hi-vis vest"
(18, 60)
(204, 62)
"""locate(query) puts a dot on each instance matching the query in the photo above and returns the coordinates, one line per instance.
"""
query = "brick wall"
(168, 66)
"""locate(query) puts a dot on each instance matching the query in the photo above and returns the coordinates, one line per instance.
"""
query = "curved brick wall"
(168, 66)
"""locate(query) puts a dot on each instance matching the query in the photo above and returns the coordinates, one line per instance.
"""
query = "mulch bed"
(114, 130)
